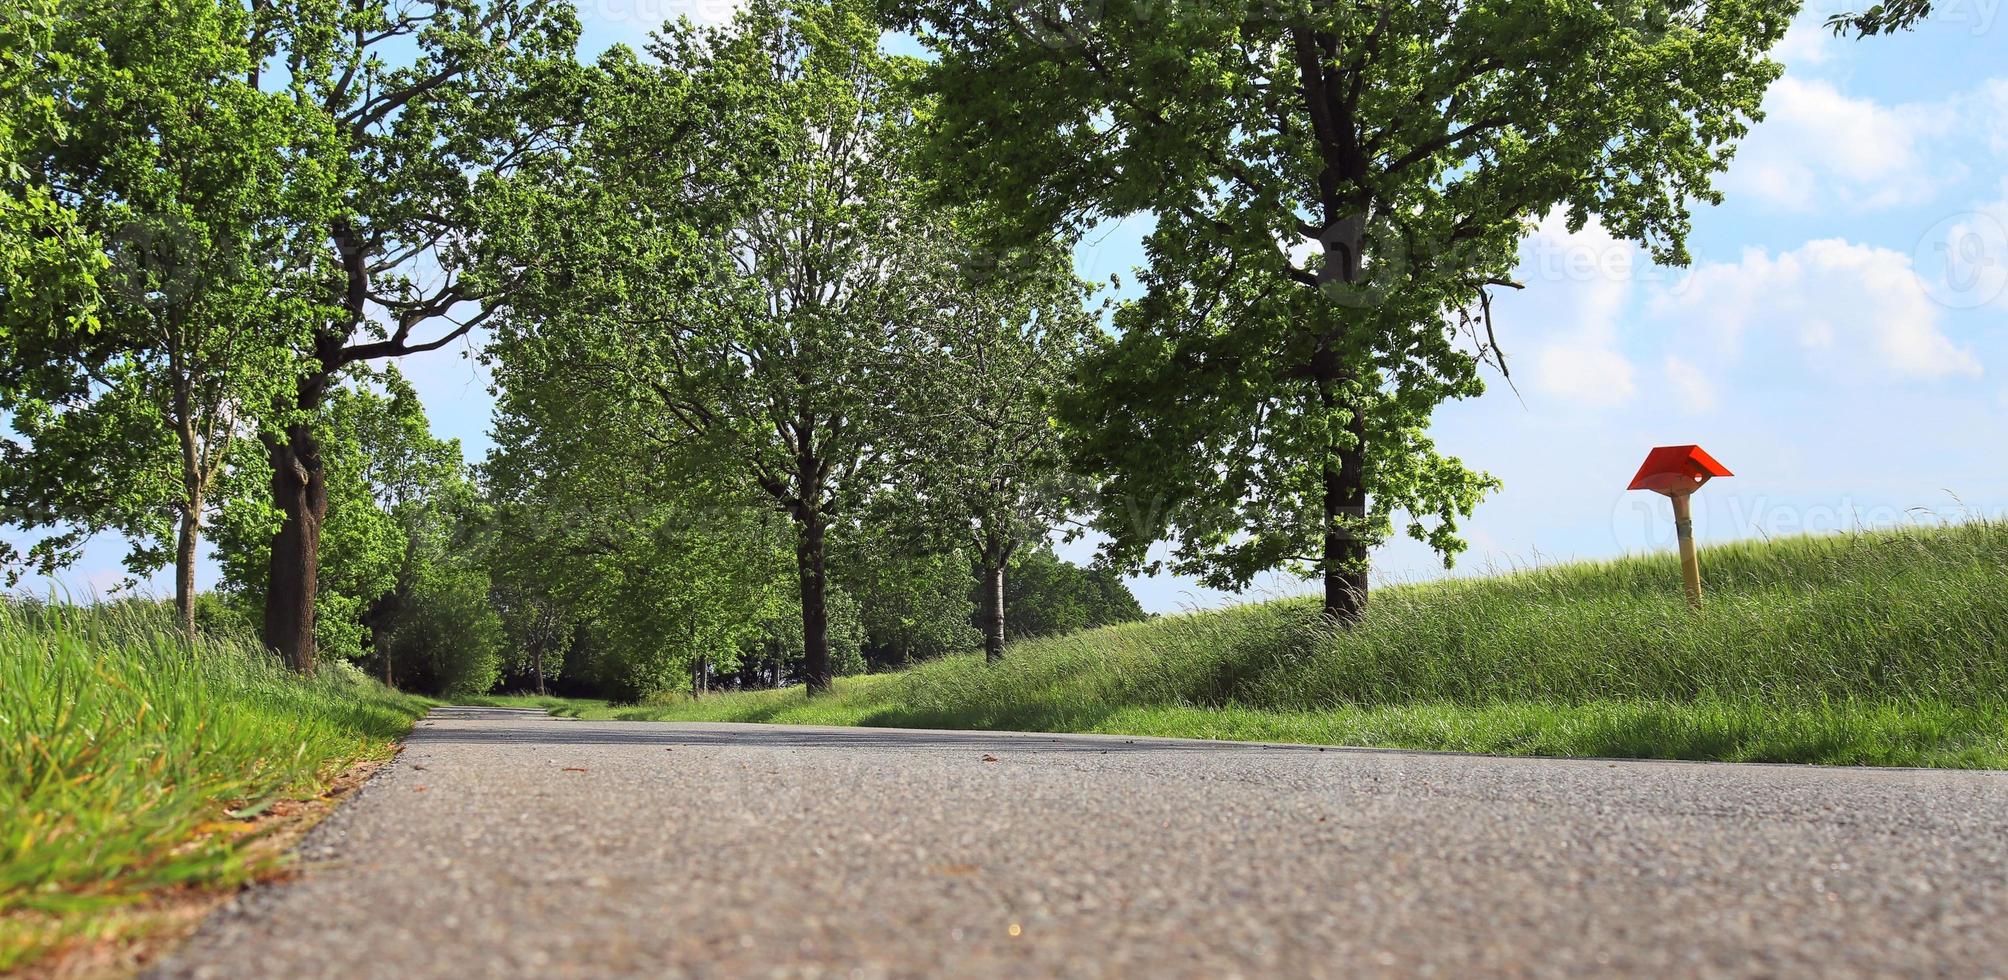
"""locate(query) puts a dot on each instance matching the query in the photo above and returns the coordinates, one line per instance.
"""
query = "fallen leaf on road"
(989, 758)
(573, 769)
(418, 789)
(956, 870)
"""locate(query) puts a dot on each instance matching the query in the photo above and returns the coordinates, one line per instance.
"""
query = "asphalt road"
(507, 844)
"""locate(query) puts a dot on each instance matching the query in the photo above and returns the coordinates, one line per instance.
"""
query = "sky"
(1840, 340)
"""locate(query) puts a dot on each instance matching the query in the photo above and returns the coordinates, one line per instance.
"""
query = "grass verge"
(1865, 649)
(138, 767)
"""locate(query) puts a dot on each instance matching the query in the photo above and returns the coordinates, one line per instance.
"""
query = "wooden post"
(1690, 564)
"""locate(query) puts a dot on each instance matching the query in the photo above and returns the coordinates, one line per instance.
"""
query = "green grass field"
(1863, 649)
(130, 758)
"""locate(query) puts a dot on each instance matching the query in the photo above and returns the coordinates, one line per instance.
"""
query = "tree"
(1049, 596)
(734, 257)
(384, 474)
(527, 588)
(987, 458)
(1336, 188)
(183, 174)
(439, 105)
(658, 556)
(435, 631)
(913, 600)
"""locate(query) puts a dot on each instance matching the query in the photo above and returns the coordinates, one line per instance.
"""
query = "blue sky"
(1841, 340)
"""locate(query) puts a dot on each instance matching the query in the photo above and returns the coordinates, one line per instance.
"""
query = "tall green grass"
(1872, 648)
(121, 742)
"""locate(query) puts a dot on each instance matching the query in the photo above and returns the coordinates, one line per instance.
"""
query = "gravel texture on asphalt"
(505, 843)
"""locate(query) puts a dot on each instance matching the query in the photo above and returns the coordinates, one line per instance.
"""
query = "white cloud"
(1692, 384)
(1583, 280)
(1808, 42)
(643, 16)
(1991, 106)
(1598, 377)
(1853, 311)
(1818, 147)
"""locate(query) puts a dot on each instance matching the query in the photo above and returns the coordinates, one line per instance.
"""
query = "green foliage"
(49, 266)
(1878, 649)
(1047, 596)
(442, 636)
(529, 587)
(190, 185)
(685, 595)
(731, 268)
(1882, 18)
(985, 467)
(913, 601)
(388, 479)
(122, 744)
(1334, 191)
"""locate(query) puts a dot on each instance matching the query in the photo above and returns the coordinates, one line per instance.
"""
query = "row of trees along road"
(771, 306)
(276, 193)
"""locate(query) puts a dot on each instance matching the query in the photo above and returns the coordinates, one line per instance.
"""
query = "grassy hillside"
(133, 765)
(1880, 649)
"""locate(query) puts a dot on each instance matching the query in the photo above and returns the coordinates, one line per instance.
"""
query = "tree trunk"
(188, 540)
(699, 678)
(993, 608)
(537, 666)
(299, 489)
(1344, 558)
(815, 609)
(1345, 549)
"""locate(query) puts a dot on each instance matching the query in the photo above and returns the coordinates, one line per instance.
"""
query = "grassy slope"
(1877, 649)
(123, 752)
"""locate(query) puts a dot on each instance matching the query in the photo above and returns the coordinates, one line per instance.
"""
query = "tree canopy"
(187, 179)
(793, 373)
(1336, 190)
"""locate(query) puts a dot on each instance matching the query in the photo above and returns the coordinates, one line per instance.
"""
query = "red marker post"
(1678, 471)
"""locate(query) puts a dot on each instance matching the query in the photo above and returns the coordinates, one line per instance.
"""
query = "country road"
(504, 843)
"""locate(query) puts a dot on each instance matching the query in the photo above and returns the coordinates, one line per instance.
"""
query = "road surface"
(504, 843)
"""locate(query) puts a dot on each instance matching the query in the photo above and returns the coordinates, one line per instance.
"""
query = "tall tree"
(384, 472)
(528, 587)
(187, 177)
(987, 460)
(1336, 188)
(438, 105)
(664, 558)
(768, 334)
(436, 631)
